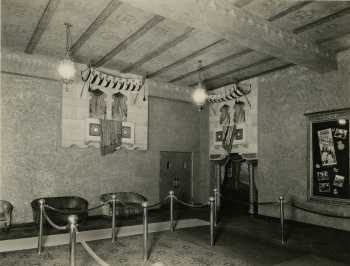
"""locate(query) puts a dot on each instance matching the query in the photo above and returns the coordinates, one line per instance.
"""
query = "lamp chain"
(68, 38)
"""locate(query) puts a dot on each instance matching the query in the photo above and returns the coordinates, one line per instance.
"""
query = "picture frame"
(328, 156)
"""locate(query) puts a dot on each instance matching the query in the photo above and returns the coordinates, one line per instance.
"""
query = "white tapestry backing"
(121, 97)
(233, 120)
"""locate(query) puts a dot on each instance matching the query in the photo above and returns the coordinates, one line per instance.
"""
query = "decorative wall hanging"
(97, 80)
(113, 99)
(328, 155)
(233, 120)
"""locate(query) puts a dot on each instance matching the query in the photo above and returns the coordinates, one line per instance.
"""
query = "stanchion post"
(282, 218)
(114, 198)
(73, 224)
(145, 230)
(211, 202)
(171, 195)
(41, 225)
(216, 194)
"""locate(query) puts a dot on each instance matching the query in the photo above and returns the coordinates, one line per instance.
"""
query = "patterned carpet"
(167, 249)
(183, 247)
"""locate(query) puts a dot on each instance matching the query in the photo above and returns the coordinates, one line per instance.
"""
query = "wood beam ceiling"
(94, 26)
(42, 25)
(251, 31)
(289, 10)
(166, 46)
(131, 39)
(187, 58)
(322, 21)
(231, 72)
(214, 64)
(279, 15)
(287, 65)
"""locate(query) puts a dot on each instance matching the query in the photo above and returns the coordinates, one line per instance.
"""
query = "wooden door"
(175, 174)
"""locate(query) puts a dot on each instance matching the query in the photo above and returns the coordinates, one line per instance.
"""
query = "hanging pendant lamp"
(199, 94)
(66, 68)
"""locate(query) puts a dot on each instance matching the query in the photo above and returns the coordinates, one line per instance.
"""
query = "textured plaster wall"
(35, 164)
(283, 98)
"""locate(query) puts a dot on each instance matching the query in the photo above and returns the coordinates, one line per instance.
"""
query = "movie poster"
(326, 144)
(330, 159)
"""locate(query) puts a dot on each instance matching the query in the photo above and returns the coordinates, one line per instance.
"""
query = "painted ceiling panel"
(310, 13)
(163, 32)
(197, 41)
(18, 21)
(219, 51)
(235, 63)
(268, 8)
(338, 44)
(119, 26)
(79, 14)
(336, 27)
(246, 73)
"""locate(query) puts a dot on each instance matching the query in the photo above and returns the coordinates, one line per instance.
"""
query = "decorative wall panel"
(233, 122)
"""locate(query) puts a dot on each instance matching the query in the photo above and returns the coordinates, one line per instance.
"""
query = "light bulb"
(199, 95)
(66, 69)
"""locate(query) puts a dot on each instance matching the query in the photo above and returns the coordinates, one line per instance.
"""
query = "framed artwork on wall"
(328, 156)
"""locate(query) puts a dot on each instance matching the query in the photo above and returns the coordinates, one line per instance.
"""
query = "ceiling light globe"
(66, 69)
(199, 95)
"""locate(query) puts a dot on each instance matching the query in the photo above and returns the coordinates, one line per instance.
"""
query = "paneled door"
(175, 174)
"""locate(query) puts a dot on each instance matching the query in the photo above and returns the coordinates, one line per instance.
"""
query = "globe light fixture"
(66, 68)
(199, 94)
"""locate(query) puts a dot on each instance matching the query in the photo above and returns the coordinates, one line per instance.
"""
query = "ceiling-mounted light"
(199, 94)
(66, 68)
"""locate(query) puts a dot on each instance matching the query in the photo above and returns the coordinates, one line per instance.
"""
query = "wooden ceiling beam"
(131, 39)
(187, 58)
(289, 10)
(281, 14)
(231, 72)
(232, 23)
(321, 21)
(213, 64)
(94, 26)
(166, 46)
(255, 75)
(42, 25)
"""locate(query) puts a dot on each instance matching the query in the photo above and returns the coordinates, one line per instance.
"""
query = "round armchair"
(128, 203)
(69, 205)
(5, 214)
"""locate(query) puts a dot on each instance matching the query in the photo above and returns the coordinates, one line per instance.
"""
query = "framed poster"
(328, 156)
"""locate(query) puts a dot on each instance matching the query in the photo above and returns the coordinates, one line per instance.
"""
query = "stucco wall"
(34, 164)
(284, 97)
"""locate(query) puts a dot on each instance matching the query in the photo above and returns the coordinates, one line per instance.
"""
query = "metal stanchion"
(73, 223)
(171, 195)
(282, 218)
(41, 225)
(211, 201)
(216, 194)
(114, 198)
(145, 230)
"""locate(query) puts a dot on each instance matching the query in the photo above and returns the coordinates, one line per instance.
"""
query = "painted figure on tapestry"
(239, 112)
(120, 107)
(98, 105)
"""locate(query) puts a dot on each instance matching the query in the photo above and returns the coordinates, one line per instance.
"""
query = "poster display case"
(328, 156)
